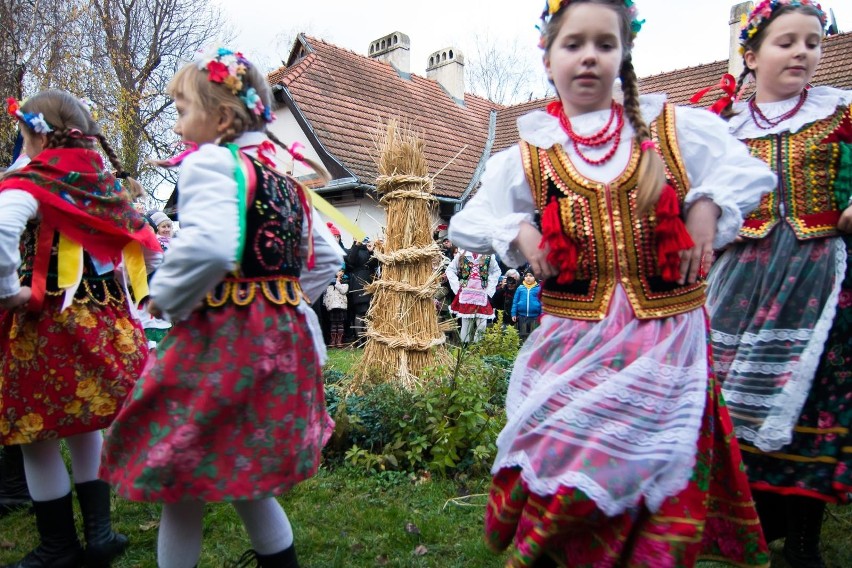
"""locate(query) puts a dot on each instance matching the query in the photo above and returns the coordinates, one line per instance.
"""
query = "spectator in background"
(361, 266)
(164, 227)
(505, 294)
(526, 305)
(335, 303)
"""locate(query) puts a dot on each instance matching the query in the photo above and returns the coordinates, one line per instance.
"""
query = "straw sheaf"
(403, 334)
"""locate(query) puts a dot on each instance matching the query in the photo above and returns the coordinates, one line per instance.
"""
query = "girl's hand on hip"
(527, 242)
(18, 301)
(845, 222)
(701, 223)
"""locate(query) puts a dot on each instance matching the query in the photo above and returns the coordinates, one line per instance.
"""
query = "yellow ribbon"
(69, 263)
(335, 215)
(134, 267)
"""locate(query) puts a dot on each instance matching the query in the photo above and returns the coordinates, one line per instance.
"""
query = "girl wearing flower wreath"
(780, 300)
(70, 351)
(232, 409)
(617, 449)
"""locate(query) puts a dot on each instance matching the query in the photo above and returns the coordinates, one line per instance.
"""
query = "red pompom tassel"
(563, 251)
(671, 235)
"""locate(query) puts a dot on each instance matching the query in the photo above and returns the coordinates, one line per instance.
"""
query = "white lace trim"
(822, 102)
(776, 431)
(655, 491)
(764, 336)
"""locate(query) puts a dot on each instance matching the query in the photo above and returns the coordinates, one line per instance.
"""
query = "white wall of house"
(288, 131)
(366, 213)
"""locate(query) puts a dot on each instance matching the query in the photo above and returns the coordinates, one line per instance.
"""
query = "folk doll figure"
(473, 279)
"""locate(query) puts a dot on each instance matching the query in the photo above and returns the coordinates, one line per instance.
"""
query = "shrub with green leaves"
(448, 425)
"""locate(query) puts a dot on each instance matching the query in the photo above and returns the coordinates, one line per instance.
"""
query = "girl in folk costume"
(780, 300)
(233, 408)
(616, 451)
(69, 349)
(473, 278)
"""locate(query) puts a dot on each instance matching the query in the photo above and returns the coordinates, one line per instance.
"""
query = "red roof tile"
(346, 97)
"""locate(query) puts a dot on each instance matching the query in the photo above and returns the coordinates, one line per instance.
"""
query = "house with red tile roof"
(334, 101)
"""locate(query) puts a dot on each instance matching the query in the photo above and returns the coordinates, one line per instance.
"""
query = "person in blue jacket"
(526, 308)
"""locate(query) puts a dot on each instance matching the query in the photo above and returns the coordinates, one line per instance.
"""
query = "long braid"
(651, 170)
(113, 157)
(728, 111)
(314, 165)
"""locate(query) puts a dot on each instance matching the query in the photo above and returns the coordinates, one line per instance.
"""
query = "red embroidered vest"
(614, 246)
(808, 164)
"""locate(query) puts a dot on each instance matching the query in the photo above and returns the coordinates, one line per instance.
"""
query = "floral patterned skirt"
(66, 372)
(712, 518)
(230, 407)
(817, 462)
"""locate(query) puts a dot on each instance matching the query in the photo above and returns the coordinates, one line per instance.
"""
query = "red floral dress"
(232, 405)
(67, 372)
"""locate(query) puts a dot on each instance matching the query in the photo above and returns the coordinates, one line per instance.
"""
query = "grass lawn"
(346, 518)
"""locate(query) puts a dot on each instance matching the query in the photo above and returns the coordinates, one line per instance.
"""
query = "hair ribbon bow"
(728, 85)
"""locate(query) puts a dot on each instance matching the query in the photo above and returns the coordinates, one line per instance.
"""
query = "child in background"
(780, 301)
(526, 305)
(616, 450)
(233, 408)
(70, 350)
(335, 302)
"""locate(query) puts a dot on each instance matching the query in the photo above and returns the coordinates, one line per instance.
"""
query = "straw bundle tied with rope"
(403, 333)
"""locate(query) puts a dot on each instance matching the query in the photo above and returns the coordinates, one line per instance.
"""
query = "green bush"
(448, 425)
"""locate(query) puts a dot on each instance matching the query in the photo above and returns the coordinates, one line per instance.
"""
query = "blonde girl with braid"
(70, 350)
(232, 409)
(616, 451)
(780, 300)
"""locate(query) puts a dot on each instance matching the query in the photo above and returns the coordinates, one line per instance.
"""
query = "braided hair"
(72, 123)
(753, 44)
(651, 168)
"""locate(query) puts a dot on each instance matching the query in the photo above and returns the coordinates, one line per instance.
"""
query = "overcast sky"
(677, 33)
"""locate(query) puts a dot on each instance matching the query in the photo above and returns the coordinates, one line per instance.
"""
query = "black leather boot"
(14, 494)
(772, 510)
(284, 559)
(102, 543)
(804, 524)
(59, 547)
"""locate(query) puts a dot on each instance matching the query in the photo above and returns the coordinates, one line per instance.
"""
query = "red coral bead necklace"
(601, 137)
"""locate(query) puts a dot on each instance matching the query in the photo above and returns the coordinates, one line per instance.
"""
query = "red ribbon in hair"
(294, 151)
(264, 150)
(563, 250)
(671, 234)
(728, 85)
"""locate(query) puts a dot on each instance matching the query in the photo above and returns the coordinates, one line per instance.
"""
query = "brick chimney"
(735, 60)
(394, 48)
(446, 66)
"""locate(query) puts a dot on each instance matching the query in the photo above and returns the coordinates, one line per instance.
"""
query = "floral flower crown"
(763, 11)
(31, 119)
(229, 68)
(553, 6)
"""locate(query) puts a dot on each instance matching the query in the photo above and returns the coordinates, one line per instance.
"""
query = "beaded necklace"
(599, 138)
(757, 115)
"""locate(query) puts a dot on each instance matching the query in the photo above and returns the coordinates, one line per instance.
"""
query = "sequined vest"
(101, 289)
(808, 171)
(614, 245)
(271, 262)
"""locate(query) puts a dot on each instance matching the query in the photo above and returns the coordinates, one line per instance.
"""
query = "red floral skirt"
(230, 407)
(471, 310)
(66, 373)
(712, 518)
